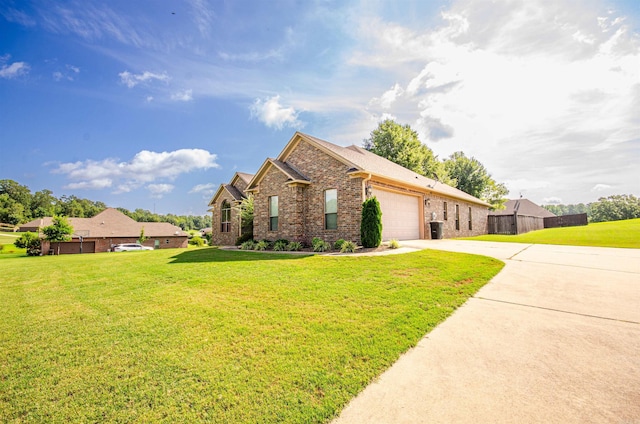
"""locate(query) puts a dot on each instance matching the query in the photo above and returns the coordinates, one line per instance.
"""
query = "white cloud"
(600, 187)
(388, 97)
(202, 14)
(271, 113)
(144, 168)
(523, 86)
(203, 188)
(95, 184)
(552, 201)
(68, 74)
(13, 70)
(183, 96)
(131, 80)
(158, 190)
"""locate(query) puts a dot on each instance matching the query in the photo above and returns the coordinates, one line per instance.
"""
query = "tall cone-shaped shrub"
(371, 224)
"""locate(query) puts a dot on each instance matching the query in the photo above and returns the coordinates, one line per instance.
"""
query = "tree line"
(401, 144)
(19, 205)
(612, 208)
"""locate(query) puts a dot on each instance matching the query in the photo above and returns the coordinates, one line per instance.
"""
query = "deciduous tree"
(615, 208)
(470, 176)
(60, 230)
(400, 144)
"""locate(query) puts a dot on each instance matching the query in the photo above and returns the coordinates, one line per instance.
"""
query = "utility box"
(436, 230)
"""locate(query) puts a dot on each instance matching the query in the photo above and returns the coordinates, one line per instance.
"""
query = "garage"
(400, 215)
(75, 247)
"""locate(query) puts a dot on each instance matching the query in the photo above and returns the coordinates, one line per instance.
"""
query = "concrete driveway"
(553, 338)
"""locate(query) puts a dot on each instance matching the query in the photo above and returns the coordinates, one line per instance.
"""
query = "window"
(445, 211)
(470, 224)
(273, 213)
(331, 209)
(457, 217)
(225, 217)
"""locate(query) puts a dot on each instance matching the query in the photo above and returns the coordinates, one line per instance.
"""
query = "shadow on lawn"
(218, 255)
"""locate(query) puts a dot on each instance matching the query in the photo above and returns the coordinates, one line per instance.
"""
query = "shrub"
(197, 241)
(29, 241)
(261, 245)
(320, 245)
(280, 245)
(371, 223)
(294, 246)
(338, 244)
(247, 245)
(244, 237)
(348, 247)
(394, 244)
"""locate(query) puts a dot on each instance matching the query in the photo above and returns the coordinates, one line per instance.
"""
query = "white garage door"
(400, 215)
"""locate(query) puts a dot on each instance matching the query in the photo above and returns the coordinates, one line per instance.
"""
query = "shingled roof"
(112, 223)
(362, 160)
(524, 207)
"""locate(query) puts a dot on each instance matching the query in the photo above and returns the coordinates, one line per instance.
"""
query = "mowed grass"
(6, 244)
(602, 234)
(211, 335)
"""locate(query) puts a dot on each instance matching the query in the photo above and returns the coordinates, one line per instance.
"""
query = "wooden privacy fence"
(514, 224)
(520, 224)
(566, 220)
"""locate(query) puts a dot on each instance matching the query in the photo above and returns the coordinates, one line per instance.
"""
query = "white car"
(130, 246)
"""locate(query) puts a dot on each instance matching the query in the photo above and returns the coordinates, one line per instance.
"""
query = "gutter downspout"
(364, 187)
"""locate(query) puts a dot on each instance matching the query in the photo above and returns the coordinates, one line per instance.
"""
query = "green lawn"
(6, 244)
(603, 234)
(210, 335)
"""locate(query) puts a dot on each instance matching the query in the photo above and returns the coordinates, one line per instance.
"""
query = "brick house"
(108, 228)
(316, 189)
(225, 221)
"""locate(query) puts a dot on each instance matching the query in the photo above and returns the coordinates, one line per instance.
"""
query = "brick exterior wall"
(478, 217)
(105, 244)
(435, 203)
(301, 208)
(217, 236)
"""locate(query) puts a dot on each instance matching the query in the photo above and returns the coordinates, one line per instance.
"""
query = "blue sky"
(153, 104)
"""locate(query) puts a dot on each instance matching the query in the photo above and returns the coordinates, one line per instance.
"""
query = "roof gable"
(524, 207)
(364, 161)
(293, 176)
(231, 188)
(113, 223)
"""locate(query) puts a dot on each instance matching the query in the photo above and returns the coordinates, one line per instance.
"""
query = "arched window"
(225, 217)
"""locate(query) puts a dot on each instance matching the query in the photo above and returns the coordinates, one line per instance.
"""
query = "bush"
(280, 245)
(338, 244)
(262, 245)
(294, 246)
(197, 241)
(29, 241)
(348, 247)
(394, 244)
(320, 245)
(371, 223)
(248, 245)
(244, 237)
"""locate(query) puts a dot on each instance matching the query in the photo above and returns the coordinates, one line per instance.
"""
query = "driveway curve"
(553, 338)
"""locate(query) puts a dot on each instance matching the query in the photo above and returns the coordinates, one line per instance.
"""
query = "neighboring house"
(226, 223)
(108, 228)
(316, 189)
(523, 207)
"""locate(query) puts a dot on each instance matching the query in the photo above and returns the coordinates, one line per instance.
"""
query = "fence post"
(515, 222)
